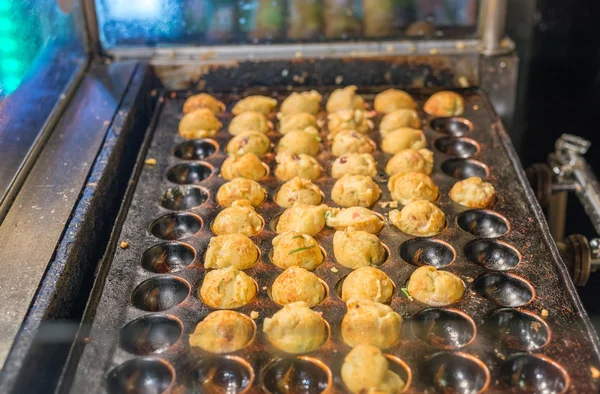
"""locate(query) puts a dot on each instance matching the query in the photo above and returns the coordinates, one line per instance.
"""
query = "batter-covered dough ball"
(298, 191)
(239, 218)
(359, 218)
(445, 104)
(350, 141)
(367, 283)
(412, 186)
(365, 370)
(301, 102)
(350, 119)
(473, 193)
(231, 250)
(294, 249)
(420, 218)
(296, 329)
(262, 104)
(306, 219)
(297, 284)
(291, 165)
(405, 138)
(299, 142)
(249, 121)
(370, 323)
(222, 332)
(227, 288)
(241, 189)
(357, 249)
(249, 142)
(399, 119)
(203, 100)
(410, 160)
(345, 98)
(355, 190)
(246, 166)
(393, 99)
(354, 164)
(434, 287)
(298, 121)
(200, 123)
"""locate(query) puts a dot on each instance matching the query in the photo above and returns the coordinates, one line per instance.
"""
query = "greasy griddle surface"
(571, 344)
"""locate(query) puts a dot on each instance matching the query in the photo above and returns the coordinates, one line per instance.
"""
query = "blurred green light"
(6, 25)
(9, 84)
(10, 65)
(7, 45)
(4, 6)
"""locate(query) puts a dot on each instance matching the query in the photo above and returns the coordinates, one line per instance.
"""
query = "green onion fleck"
(406, 293)
(297, 236)
(301, 249)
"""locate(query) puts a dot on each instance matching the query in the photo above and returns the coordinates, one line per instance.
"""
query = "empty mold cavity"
(183, 197)
(504, 289)
(493, 255)
(465, 168)
(446, 328)
(454, 126)
(457, 147)
(168, 257)
(160, 293)
(401, 369)
(425, 251)
(150, 334)
(189, 173)
(141, 376)
(518, 330)
(300, 375)
(214, 375)
(528, 373)
(195, 149)
(482, 223)
(173, 226)
(455, 373)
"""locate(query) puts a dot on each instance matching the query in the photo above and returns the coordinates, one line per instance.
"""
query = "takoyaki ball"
(298, 121)
(412, 186)
(306, 219)
(246, 166)
(262, 104)
(294, 249)
(410, 160)
(420, 29)
(420, 218)
(297, 284)
(370, 323)
(230, 250)
(399, 119)
(222, 332)
(298, 191)
(203, 100)
(249, 121)
(350, 141)
(345, 98)
(249, 142)
(392, 384)
(200, 123)
(445, 104)
(359, 218)
(296, 329)
(241, 189)
(299, 142)
(239, 218)
(291, 165)
(473, 193)
(367, 283)
(354, 164)
(393, 99)
(405, 138)
(227, 288)
(301, 102)
(365, 370)
(350, 119)
(357, 249)
(355, 191)
(434, 287)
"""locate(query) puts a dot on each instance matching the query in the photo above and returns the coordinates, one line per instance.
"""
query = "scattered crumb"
(388, 204)
(334, 270)
(434, 51)
(106, 123)
(264, 287)
(339, 79)
(87, 340)
(595, 373)
(173, 95)
(124, 244)
(150, 161)
(460, 45)
(476, 107)
(254, 315)
(153, 92)
(500, 355)
(535, 326)
(463, 82)
(468, 279)
(390, 48)
(544, 313)
(298, 54)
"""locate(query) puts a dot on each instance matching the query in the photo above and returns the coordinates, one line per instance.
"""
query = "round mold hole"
(504, 289)
(424, 251)
(401, 369)
(457, 147)
(454, 126)
(141, 376)
(518, 330)
(214, 375)
(300, 375)
(183, 197)
(195, 149)
(445, 328)
(528, 373)
(189, 173)
(168, 257)
(493, 255)
(150, 334)
(174, 226)
(456, 373)
(160, 293)
(482, 223)
(465, 168)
